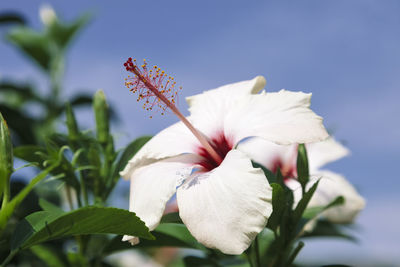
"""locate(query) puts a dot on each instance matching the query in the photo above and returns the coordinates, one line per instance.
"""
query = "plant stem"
(249, 258)
(9, 258)
(257, 254)
(296, 251)
(83, 189)
(6, 194)
(69, 197)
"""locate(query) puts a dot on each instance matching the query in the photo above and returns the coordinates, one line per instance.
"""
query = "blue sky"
(347, 53)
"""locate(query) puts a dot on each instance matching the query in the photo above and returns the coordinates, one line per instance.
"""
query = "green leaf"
(50, 207)
(20, 125)
(270, 175)
(129, 152)
(62, 33)
(171, 235)
(313, 212)
(302, 166)
(30, 153)
(81, 99)
(72, 125)
(33, 44)
(6, 160)
(193, 261)
(172, 217)
(278, 206)
(83, 221)
(49, 255)
(7, 211)
(11, 17)
(328, 229)
(24, 92)
(166, 235)
(101, 113)
(302, 205)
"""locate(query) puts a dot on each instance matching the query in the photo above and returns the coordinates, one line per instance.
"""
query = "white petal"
(331, 186)
(209, 109)
(153, 185)
(283, 117)
(227, 207)
(321, 153)
(267, 153)
(170, 142)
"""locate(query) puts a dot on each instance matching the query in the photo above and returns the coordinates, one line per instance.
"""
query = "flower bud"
(6, 155)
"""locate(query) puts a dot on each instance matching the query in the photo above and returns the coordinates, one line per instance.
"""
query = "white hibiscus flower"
(331, 185)
(222, 199)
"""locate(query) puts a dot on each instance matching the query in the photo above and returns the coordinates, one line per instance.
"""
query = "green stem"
(257, 254)
(69, 197)
(9, 258)
(296, 251)
(6, 194)
(83, 188)
(249, 258)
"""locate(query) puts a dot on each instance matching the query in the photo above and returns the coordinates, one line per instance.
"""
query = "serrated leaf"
(83, 221)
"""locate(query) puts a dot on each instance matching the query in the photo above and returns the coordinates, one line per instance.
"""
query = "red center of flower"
(221, 144)
(287, 170)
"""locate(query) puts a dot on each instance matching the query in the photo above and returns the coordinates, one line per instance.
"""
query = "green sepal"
(303, 174)
(6, 160)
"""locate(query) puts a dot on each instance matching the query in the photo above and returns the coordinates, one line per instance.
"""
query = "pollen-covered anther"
(149, 84)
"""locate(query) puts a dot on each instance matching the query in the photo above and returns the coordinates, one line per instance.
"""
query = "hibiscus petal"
(321, 153)
(153, 185)
(331, 186)
(268, 153)
(209, 109)
(170, 142)
(227, 207)
(282, 117)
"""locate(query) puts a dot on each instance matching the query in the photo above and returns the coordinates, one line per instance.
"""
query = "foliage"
(46, 49)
